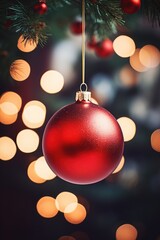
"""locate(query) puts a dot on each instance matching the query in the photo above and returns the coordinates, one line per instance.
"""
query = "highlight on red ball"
(130, 6)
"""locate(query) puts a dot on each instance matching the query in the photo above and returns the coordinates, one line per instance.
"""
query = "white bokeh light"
(43, 170)
(27, 140)
(52, 81)
(34, 114)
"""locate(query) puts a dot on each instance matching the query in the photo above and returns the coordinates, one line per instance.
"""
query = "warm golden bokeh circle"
(26, 45)
(136, 63)
(27, 140)
(52, 81)
(34, 114)
(8, 148)
(20, 70)
(76, 216)
(124, 46)
(65, 201)
(128, 128)
(126, 232)
(46, 207)
(155, 140)
(33, 175)
(10, 103)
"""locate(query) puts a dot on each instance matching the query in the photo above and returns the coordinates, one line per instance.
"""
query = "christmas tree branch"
(103, 17)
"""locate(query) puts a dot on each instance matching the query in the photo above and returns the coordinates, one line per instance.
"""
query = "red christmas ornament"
(92, 43)
(40, 8)
(76, 27)
(104, 48)
(82, 142)
(130, 6)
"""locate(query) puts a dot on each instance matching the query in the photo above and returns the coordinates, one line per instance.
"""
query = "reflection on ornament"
(124, 46)
(126, 232)
(26, 45)
(20, 70)
(83, 142)
(46, 207)
(7, 148)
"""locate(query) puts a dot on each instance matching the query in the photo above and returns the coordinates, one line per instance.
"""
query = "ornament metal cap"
(83, 95)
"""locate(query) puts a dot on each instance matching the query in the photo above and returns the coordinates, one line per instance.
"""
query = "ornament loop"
(83, 87)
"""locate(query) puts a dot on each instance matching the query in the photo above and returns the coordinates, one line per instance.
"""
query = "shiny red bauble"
(104, 48)
(76, 27)
(82, 143)
(130, 6)
(40, 8)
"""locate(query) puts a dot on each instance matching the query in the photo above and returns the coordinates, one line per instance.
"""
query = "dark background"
(130, 196)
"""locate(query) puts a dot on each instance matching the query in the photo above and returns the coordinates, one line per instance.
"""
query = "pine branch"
(151, 9)
(27, 23)
(103, 17)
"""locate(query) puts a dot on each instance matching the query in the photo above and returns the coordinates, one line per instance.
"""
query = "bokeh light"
(66, 202)
(8, 108)
(20, 70)
(94, 101)
(130, 176)
(103, 88)
(120, 165)
(43, 170)
(10, 102)
(77, 215)
(149, 56)
(27, 140)
(26, 46)
(33, 175)
(155, 140)
(46, 207)
(127, 76)
(66, 52)
(7, 119)
(7, 148)
(52, 81)
(126, 232)
(34, 114)
(136, 63)
(128, 128)
(124, 46)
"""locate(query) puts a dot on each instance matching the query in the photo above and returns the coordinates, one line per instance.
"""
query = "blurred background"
(36, 82)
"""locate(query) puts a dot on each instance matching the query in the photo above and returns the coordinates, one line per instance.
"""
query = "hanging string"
(83, 42)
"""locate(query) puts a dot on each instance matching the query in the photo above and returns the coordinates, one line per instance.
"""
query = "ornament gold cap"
(83, 94)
